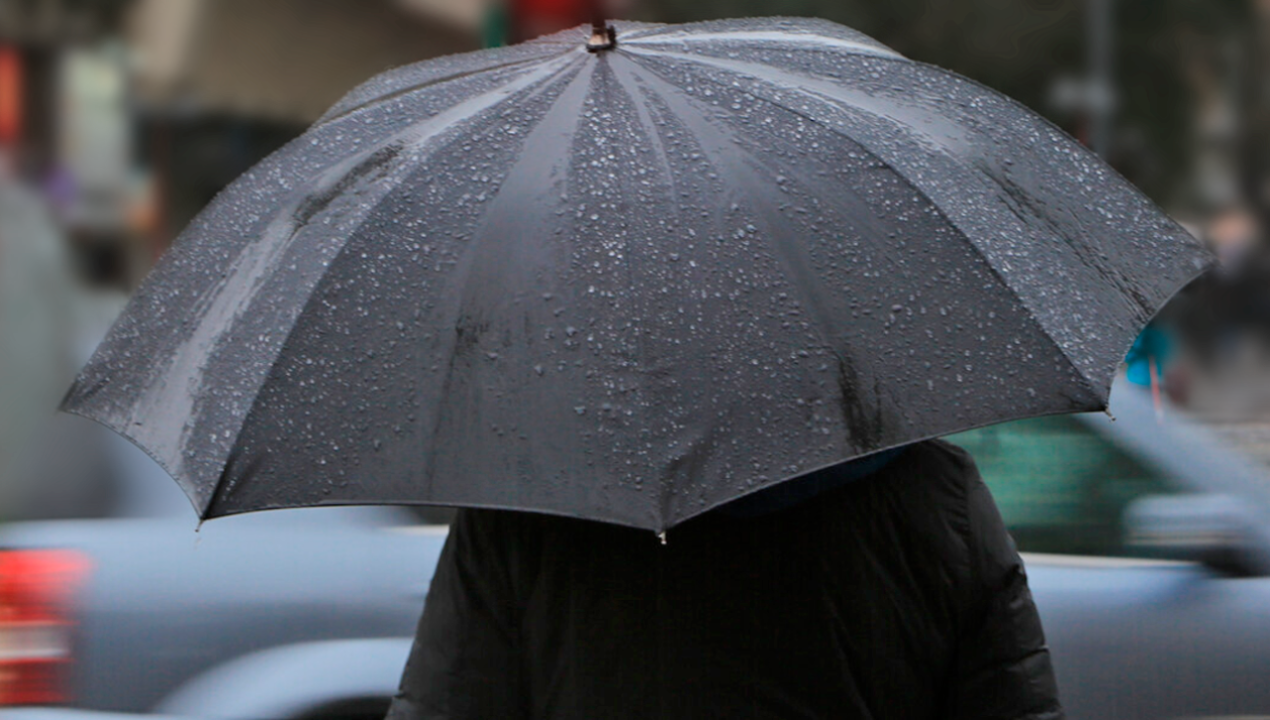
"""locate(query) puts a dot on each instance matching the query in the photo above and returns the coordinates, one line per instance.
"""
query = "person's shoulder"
(936, 480)
(941, 460)
(925, 494)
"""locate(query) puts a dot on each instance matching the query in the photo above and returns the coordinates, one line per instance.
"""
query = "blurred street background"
(121, 119)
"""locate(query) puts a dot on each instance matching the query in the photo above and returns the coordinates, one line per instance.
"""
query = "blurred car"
(1149, 559)
(61, 713)
(288, 614)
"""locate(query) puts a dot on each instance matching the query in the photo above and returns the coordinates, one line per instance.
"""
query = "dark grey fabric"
(897, 596)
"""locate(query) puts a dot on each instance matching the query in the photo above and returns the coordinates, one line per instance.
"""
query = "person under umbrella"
(892, 590)
(633, 279)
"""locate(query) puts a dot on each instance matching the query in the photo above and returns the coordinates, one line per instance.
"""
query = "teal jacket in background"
(1152, 343)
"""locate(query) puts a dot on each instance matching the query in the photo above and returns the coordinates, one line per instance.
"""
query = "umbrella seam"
(461, 283)
(400, 92)
(757, 36)
(647, 32)
(643, 111)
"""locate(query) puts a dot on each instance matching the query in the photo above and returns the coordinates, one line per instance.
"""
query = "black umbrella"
(631, 284)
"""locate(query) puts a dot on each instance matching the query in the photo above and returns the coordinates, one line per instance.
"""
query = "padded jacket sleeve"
(1002, 667)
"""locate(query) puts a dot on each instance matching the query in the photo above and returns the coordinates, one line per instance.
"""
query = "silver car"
(1149, 559)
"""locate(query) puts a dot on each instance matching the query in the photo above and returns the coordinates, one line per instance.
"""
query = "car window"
(1061, 487)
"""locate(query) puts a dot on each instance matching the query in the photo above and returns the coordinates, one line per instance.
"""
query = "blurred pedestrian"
(893, 592)
(38, 314)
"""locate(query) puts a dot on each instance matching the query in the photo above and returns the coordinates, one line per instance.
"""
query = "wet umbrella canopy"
(631, 284)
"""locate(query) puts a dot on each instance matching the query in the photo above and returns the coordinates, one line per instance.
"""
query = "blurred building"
(283, 61)
(220, 83)
(118, 94)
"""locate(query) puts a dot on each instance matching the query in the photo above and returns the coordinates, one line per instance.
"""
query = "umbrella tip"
(603, 37)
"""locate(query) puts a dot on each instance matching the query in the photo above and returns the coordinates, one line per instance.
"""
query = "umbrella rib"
(768, 36)
(458, 310)
(628, 82)
(775, 28)
(728, 66)
(332, 116)
(622, 73)
(691, 455)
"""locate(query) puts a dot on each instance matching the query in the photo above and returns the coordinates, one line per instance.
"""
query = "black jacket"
(897, 596)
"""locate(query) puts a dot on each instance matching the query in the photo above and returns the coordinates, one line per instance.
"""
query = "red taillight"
(10, 96)
(37, 589)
